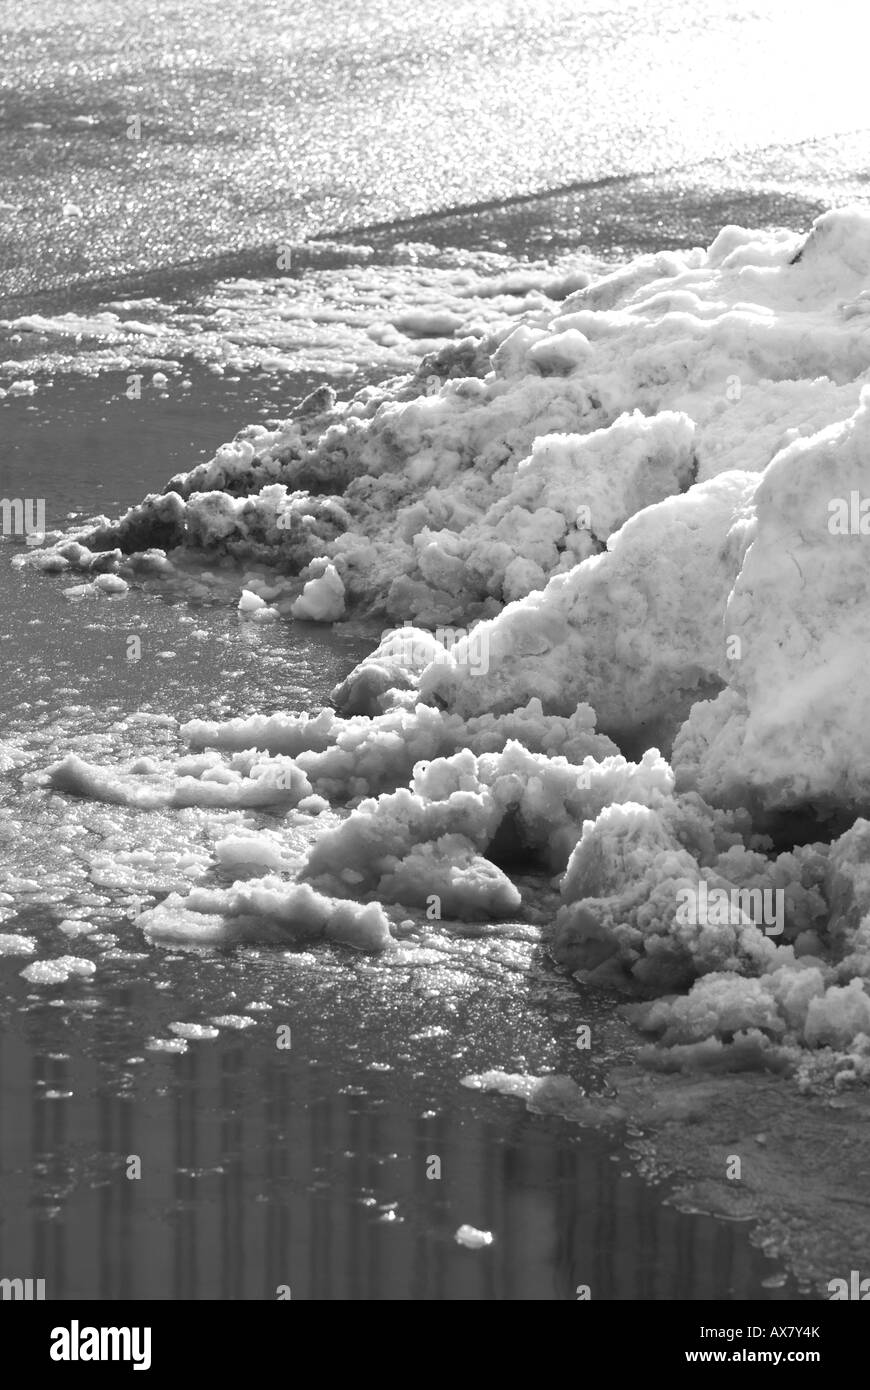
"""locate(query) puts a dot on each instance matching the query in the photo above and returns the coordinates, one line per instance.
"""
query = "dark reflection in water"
(263, 1169)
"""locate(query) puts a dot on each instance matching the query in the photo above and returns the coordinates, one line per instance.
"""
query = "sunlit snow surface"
(311, 117)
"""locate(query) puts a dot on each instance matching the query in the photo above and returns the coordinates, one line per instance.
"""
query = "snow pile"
(512, 455)
(793, 725)
(755, 997)
(634, 631)
(631, 521)
(283, 760)
(624, 888)
(515, 803)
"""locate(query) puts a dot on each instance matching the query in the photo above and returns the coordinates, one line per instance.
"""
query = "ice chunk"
(265, 909)
(250, 602)
(472, 1238)
(322, 599)
(57, 971)
(194, 1031)
(12, 944)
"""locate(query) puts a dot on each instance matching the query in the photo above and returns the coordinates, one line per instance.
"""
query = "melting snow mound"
(620, 544)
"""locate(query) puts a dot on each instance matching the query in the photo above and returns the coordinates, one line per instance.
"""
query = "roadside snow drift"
(619, 543)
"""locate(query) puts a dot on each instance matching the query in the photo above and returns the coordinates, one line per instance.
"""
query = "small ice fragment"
(472, 1238)
(250, 602)
(12, 945)
(111, 584)
(72, 927)
(55, 972)
(166, 1045)
(322, 599)
(193, 1030)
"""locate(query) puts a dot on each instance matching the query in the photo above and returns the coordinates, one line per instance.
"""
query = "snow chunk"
(166, 1045)
(194, 1031)
(250, 602)
(322, 599)
(265, 909)
(14, 945)
(57, 971)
